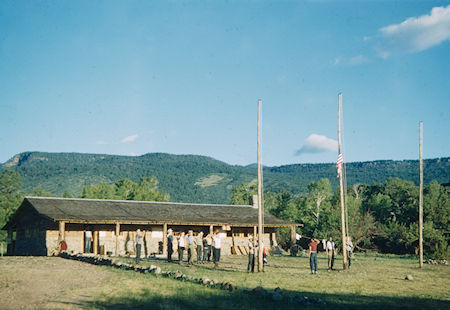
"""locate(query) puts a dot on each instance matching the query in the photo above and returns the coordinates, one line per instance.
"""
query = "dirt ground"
(48, 282)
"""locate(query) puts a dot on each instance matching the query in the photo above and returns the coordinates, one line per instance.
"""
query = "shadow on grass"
(217, 299)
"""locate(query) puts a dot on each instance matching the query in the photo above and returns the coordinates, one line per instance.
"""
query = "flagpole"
(341, 185)
(420, 195)
(260, 194)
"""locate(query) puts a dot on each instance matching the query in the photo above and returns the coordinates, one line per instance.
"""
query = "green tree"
(99, 191)
(243, 194)
(436, 205)
(39, 192)
(125, 189)
(404, 198)
(145, 190)
(10, 196)
(67, 194)
(315, 208)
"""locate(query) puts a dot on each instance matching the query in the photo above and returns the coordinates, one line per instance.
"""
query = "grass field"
(373, 282)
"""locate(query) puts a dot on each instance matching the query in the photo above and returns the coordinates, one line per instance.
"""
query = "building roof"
(126, 211)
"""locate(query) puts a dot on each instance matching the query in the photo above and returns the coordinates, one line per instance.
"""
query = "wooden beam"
(341, 188)
(260, 194)
(164, 239)
(117, 238)
(95, 237)
(176, 223)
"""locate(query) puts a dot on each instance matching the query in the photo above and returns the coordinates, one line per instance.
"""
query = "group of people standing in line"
(330, 249)
(204, 246)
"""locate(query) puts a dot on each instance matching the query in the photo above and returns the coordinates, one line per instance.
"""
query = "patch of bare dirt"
(48, 282)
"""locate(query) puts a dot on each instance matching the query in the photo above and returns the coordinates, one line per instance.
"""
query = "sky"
(184, 77)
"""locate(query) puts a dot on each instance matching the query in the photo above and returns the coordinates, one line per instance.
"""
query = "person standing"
(216, 248)
(169, 244)
(331, 252)
(313, 255)
(205, 248)
(139, 243)
(181, 244)
(191, 247)
(349, 249)
(199, 241)
(87, 241)
(251, 255)
(209, 242)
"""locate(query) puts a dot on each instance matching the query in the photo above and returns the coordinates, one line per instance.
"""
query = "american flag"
(340, 161)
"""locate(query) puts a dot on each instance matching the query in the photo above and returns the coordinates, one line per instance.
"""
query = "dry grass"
(374, 282)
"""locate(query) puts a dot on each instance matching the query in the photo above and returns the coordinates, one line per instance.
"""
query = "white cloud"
(315, 143)
(358, 60)
(129, 139)
(353, 61)
(416, 34)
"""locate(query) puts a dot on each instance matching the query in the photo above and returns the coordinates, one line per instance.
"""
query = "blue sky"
(184, 77)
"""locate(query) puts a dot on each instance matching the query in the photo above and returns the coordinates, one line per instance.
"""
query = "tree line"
(381, 217)
(11, 194)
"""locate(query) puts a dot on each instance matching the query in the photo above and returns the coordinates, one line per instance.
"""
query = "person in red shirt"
(63, 246)
(313, 255)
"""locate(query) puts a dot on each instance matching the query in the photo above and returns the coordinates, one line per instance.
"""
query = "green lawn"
(373, 282)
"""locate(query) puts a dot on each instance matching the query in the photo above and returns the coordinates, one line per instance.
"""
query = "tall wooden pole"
(341, 187)
(260, 211)
(420, 195)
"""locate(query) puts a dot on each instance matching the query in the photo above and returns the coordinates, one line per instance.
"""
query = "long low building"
(40, 225)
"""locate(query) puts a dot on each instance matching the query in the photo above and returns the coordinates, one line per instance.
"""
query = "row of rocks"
(155, 270)
(276, 295)
(279, 295)
(437, 261)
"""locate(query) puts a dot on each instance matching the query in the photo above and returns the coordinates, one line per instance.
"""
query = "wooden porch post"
(254, 233)
(274, 239)
(95, 236)
(62, 231)
(164, 241)
(211, 229)
(293, 235)
(117, 238)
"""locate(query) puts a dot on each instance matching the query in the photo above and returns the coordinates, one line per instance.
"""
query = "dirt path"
(48, 282)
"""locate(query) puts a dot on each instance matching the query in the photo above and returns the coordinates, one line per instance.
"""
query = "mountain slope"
(193, 178)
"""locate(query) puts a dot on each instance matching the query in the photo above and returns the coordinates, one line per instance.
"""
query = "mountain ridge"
(198, 178)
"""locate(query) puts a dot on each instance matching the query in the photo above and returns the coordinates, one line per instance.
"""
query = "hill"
(194, 178)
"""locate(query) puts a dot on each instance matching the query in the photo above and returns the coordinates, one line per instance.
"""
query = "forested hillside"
(193, 178)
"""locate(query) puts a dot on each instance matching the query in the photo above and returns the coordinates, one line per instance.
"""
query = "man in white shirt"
(331, 252)
(216, 247)
(251, 255)
(349, 249)
(181, 245)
